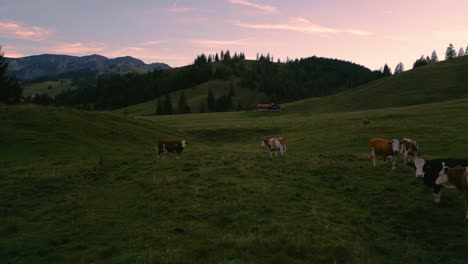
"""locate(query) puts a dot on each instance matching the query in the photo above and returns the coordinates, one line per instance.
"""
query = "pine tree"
(420, 62)
(399, 68)
(450, 53)
(160, 107)
(227, 56)
(466, 51)
(221, 55)
(210, 59)
(183, 107)
(202, 107)
(168, 105)
(461, 52)
(434, 58)
(231, 89)
(10, 88)
(216, 58)
(210, 102)
(387, 71)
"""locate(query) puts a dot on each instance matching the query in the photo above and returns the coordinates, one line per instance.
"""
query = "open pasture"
(81, 187)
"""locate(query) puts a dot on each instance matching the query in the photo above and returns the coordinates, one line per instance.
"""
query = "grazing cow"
(275, 145)
(455, 178)
(408, 149)
(171, 146)
(385, 148)
(429, 171)
(365, 122)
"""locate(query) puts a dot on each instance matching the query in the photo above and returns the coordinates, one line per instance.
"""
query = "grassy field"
(80, 187)
(52, 88)
(199, 94)
(447, 80)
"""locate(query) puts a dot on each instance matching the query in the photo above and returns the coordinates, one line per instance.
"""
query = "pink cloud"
(219, 43)
(152, 42)
(264, 8)
(10, 29)
(78, 48)
(302, 25)
(180, 9)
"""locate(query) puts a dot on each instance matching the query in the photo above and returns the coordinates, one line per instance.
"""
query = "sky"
(367, 32)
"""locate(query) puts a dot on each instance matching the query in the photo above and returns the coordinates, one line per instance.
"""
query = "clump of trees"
(10, 89)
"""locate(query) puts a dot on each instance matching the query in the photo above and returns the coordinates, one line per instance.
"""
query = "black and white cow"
(429, 171)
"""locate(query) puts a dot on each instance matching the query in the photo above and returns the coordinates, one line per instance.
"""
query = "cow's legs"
(437, 192)
(178, 153)
(271, 154)
(276, 153)
(466, 204)
(373, 156)
(394, 159)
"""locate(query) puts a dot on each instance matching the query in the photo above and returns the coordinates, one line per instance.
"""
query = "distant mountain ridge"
(50, 65)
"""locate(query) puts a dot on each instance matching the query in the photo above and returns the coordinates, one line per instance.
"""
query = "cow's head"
(265, 142)
(419, 165)
(443, 177)
(395, 146)
(183, 142)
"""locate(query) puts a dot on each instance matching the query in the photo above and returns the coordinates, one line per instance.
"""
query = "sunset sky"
(366, 32)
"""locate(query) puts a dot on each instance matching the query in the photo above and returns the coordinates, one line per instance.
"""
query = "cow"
(428, 171)
(408, 149)
(365, 122)
(176, 146)
(385, 148)
(275, 145)
(455, 178)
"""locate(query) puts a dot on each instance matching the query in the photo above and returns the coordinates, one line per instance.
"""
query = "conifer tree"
(10, 89)
(168, 105)
(210, 102)
(434, 58)
(450, 53)
(461, 52)
(399, 68)
(387, 71)
(183, 107)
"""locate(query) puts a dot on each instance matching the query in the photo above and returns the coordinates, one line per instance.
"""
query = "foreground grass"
(85, 187)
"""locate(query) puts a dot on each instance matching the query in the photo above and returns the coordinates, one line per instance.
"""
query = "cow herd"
(436, 173)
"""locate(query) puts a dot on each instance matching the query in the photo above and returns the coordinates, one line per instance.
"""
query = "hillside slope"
(447, 80)
(247, 98)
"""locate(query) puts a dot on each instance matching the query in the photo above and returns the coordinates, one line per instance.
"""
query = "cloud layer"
(10, 29)
(264, 8)
(301, 25)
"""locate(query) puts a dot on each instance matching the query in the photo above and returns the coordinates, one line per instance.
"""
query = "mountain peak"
(49, 65)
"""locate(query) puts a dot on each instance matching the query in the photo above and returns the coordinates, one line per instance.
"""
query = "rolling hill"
(447, 80)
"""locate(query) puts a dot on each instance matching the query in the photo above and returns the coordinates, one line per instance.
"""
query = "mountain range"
(50, 65)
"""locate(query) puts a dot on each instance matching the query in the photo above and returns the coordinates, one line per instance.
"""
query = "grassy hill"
(447, 80)
(198, 94)
(81, 187)
(51, 88)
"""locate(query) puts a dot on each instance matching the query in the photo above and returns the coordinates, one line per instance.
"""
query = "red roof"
(263, 105)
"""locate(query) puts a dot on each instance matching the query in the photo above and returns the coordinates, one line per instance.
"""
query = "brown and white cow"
(408, 149)
(176, 146)
(365, 122)
(385, 148)
(275, 145)
(455, 178)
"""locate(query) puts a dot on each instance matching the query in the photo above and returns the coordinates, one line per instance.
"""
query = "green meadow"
(86, 187)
